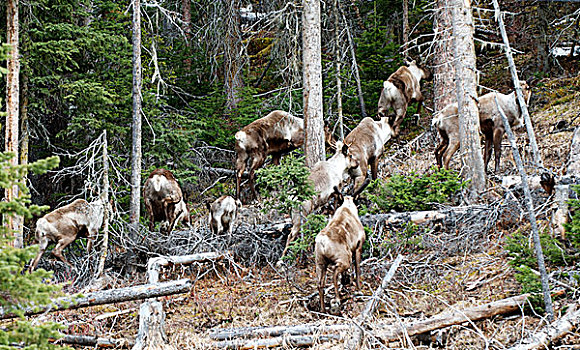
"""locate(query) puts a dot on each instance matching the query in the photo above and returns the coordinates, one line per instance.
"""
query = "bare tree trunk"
(443, 70)
(135, 205)
(338, 69)
(405, 28)
(522, 102)
(466, 85)
(531, 214)
(542, 42)
(361, 100)
(312, 66)
(13, 222)
(151, 334)
(233, 59)
(186, 13)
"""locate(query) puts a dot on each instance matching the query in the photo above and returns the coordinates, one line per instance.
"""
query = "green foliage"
(573, 227)
(303, 246)
(22, 289)
(414, 192)
(286, 185)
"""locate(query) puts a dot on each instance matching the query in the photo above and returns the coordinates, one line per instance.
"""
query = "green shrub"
(302, 246)
(414, 192)
(573, 227)
(285, 185)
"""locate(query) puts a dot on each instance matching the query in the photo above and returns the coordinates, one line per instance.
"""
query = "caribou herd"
(279, 133)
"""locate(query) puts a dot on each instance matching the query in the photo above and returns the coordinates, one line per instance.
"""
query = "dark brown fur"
(161, 205)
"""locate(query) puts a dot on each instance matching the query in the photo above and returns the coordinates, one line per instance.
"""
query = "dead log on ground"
(552, 332)
(275, 331)
(287, 341)
(395, 332)
(421, 217)
(95, 342)
(370, 307)
(154, 264)
(119, 295)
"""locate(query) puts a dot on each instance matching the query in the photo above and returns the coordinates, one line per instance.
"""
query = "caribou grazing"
(164, 200)
(342, 238)
(367, 142)
(63, 225)
(275, 134)
(447, 123)
(222, 214)
(400, 89)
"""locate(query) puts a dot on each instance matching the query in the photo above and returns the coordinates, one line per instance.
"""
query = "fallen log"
(94, 342)
(154, 264)
(274, 331)
(355, 341)
(224, 172)
(421, 217)
(505, 306)
(119, 295)
(552, 332)
(292, 341)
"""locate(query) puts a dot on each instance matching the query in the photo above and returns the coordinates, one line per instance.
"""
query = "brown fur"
(162, 205)
(65, 224)
(276, 134)
(336, 244)
(491, 125)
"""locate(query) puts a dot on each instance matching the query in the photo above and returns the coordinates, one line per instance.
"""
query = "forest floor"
(428, 281)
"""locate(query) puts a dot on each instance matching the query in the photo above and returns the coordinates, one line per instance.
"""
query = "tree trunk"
(443, 70)
(274, 331)
(466, 85)
(13, 222)
(233, 58)
(151, 334)
(573, 165)
(119, 295)
(312, 66)
(405, 28)
(186, 13)
(337, 52)
(95, 342)
(135, 205)
(542, 42)
(287, 342)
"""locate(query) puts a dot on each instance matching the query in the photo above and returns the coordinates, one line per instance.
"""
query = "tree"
(443, 70)
(14, 222)
(135, 205)
(466, 84)
(312, 95)
(233, 57)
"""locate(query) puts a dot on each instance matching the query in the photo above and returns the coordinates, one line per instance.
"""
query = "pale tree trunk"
(186, 13)
(443, 70)
(405, 28)
(466, 84)
(312, 67)
(13, 222)
(233, 58)
(135, 205)
(337, 52)
(100, 273)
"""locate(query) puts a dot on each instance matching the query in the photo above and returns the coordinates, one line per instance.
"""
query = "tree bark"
(288, 341)
(573, 165)
(95, 342)
(275, 331)
(136, 152)
(531, 214)
(312, 96)
(443, 69)
(12, 221)
(466, 85)
(145, 291)
(505, 306)
(151, 334)
(233, 59)
(405, 28)
(337, 53)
